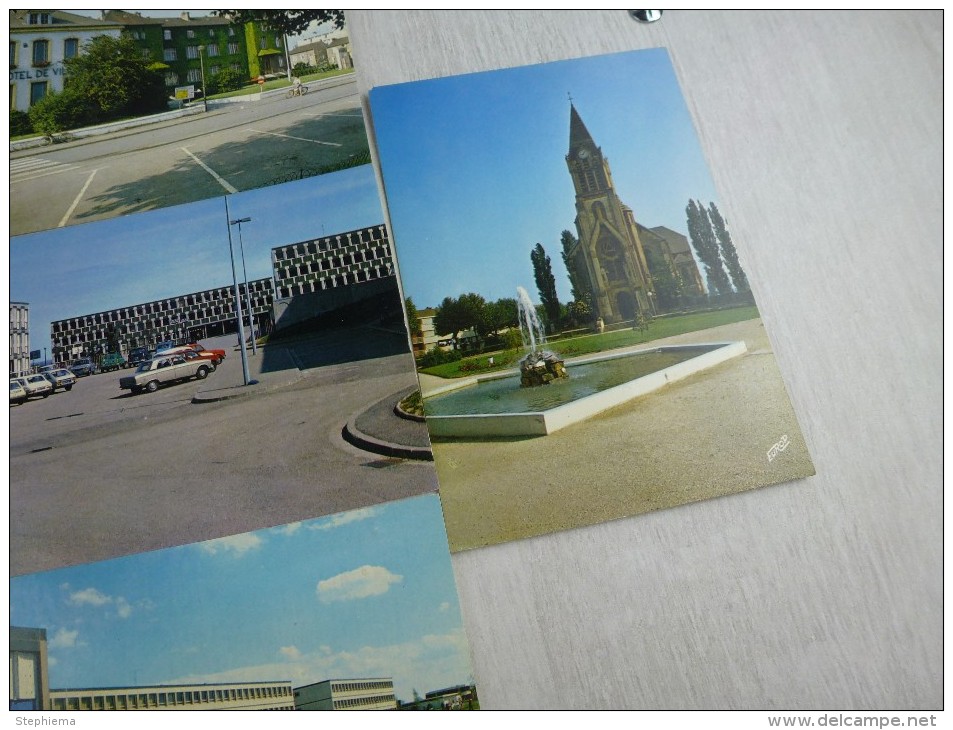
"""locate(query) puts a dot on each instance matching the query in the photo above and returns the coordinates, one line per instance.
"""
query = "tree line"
(491, 321)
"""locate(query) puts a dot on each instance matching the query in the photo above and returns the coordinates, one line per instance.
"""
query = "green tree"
(728, 252)
(290, 22)
(413, 319)
(706, 245)
(115, 78)
(498, 316)
(577, 280)
(456, 315)
(545, 282)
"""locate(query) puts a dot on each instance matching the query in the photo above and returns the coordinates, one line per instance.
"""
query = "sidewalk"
(266, 373)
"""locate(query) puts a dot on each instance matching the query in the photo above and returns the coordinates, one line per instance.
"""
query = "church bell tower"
(609, 254)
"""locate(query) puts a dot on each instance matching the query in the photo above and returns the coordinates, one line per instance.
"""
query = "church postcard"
(588, 344)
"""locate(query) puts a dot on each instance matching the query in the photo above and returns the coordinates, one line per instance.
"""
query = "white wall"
(823, 131)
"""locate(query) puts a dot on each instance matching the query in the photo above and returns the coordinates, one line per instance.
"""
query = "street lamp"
(241, 248)
(238, 302)
(202, 66)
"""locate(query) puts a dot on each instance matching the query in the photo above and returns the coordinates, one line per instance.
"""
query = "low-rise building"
(232, 696)
(29, 669)
(19, 338)
(347, 694)
(40, 40)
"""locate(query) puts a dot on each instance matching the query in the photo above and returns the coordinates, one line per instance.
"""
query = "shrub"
(19, 123)
(56, 112)
(436, 356)
(227, 79)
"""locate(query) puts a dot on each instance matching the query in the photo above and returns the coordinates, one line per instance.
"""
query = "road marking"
(221, 181)
(30, 168)
(288, 136)
(78, 198)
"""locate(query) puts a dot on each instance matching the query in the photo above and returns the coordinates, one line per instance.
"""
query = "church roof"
(676, 240)
(578, 134)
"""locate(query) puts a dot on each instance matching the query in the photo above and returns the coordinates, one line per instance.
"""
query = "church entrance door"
(625, 303)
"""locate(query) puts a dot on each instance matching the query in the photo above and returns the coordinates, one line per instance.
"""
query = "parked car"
(36, 385)
(214, 356)
(82, 366)
(138, 355)
(61, 378)
(162, 347)
(164, 369)
(112, 361)
(18, 393)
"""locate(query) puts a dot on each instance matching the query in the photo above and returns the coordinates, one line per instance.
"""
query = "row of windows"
(337, 262)
(364, 701)
(358, 686)
(309, 285)
(41, 51)
(191, 33)
(167, 699)
(364, 236)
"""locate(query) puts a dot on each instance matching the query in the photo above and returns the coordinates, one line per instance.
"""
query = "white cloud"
(290, 652)
(289, 529)
(95, 597)
(52, 661)
(237, 544)
(63, 639)
(368, 580)
(444, 607)
(89, 596)
(344, 518)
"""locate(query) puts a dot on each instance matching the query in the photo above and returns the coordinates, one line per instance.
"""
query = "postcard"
(588, 342)
(168, 107)
(354, 611)
(207, 370)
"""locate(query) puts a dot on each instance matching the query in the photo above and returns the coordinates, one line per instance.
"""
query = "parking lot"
(97, 472)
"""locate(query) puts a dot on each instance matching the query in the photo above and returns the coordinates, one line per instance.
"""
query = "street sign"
(184, 92)
(35, 354)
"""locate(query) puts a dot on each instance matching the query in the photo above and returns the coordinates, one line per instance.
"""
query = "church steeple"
(578, 134)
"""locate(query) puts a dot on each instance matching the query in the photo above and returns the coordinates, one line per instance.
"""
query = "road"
(232, 148)
(96, 473)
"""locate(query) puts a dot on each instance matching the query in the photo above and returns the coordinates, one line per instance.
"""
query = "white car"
(17, 392)
(36, 385)
(60, 378)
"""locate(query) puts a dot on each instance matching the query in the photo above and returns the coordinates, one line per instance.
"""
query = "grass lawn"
(282, 82)
(585, 344)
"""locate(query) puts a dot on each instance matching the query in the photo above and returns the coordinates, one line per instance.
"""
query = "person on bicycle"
(296, 86)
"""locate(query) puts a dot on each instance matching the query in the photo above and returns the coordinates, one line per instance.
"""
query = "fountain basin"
(543, 420)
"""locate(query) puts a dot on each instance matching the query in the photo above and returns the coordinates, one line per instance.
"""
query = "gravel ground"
(702, 437)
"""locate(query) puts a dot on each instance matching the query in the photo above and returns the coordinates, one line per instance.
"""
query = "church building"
(629, 269)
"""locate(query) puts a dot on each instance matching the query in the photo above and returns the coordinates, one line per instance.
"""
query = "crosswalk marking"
(30, 168)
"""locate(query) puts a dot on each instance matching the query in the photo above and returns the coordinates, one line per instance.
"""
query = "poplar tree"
(728, 252)
(706, 245)
(545, 282)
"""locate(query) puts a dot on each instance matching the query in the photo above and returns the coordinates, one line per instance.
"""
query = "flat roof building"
(347, 694)
(29, 669)
(234, 696)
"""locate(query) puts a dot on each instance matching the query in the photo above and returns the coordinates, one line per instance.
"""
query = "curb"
(355, 437)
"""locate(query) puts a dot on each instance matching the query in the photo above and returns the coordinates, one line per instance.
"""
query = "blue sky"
(365, 593)
(475, 173)
(94, 267)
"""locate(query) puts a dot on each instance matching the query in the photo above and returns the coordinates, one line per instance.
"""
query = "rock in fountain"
(538, 367)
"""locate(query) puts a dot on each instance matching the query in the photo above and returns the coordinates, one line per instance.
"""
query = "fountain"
(538, 367)
(506, 404)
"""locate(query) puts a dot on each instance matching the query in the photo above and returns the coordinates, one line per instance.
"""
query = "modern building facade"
(19, 338)
(237, 696)
(308, 278)
(40, 40)
(192, 316)
(620, 260)
(347, 694)
(29, 669)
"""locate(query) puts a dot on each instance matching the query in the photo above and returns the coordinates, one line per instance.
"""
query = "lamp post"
(238, 302)
(241, 248)
(202, 66)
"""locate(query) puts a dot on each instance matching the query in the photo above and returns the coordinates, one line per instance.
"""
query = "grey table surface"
(823, 131)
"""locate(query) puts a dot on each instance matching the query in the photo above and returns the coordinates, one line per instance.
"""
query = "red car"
(215, 356)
